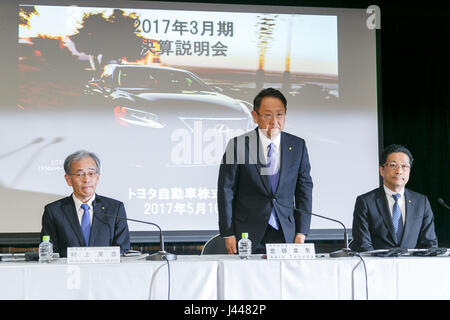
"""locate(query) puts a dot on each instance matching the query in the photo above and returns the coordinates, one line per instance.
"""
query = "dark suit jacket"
(373, 228)
(245, 198)
(60, 221)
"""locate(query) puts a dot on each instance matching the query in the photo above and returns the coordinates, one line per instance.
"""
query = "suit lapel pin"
(103, 208)
(290, 148)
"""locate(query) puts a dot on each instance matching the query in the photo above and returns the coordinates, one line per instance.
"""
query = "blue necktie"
(274, 175)
(86, 223)
(397, 218)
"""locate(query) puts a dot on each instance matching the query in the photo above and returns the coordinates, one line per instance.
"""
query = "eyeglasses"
(270, 116)
(393, 165)
(89, 174)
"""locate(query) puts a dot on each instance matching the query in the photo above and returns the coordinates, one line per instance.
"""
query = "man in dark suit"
(263, 173)
(392, 215)
(78, 220)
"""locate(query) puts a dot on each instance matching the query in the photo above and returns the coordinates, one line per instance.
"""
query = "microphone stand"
(161, 255)
(344, 252)
(442, 202)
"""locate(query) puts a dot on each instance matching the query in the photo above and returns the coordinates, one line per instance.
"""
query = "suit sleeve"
(427, 236)
(303, 194)
(49, 229)
(226, 191)
(121, 232)
(362, 240)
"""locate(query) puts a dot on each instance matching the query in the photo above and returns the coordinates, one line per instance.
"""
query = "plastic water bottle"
(245, 246)
(45, 250)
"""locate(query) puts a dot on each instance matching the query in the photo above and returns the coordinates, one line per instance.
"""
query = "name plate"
(77, 255)
(290, 251)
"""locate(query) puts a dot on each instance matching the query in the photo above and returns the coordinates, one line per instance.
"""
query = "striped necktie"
(397, 218)
(86, 223)
(274, 175)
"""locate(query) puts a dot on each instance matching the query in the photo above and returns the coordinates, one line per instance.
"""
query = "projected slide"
(157, 93)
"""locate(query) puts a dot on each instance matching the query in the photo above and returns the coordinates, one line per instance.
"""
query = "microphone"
(161, 255)
(442, 202)
(344, 252)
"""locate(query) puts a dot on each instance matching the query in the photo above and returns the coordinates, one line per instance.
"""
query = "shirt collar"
(389, 192)
(78, 203)
(266, 141)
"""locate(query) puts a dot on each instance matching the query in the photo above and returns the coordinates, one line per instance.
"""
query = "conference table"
(222, 277)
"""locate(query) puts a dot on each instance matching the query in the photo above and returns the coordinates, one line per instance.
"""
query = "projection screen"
(157, 89)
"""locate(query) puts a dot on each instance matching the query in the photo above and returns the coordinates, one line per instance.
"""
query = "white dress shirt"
(391, 201)
(80, 210)
(265, 143)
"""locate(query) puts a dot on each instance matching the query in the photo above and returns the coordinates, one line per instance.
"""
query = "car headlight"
(128, 116)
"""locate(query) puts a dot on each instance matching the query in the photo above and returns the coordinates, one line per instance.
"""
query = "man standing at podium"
(263, 173)
(78, 220)
(393, 216)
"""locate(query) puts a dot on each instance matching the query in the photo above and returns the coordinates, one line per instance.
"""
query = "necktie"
(273, 172)
(397, 218)
(86, 223)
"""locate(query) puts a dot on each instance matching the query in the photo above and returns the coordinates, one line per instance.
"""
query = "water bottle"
(245, 247)
(45, 250)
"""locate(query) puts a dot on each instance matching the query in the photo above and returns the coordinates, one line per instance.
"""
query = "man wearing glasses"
(263, 175)
(78, 220)
(393, 216)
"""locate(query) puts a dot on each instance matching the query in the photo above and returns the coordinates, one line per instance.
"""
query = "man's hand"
(299, 238)
(230, 244)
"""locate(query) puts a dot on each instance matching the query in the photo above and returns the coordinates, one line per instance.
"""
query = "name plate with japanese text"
(290, 251)
(93, 255)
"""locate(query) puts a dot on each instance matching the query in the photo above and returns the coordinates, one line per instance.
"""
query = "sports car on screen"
(161, 97)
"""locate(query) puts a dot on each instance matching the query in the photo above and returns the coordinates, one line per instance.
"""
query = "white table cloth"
(228, 277)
